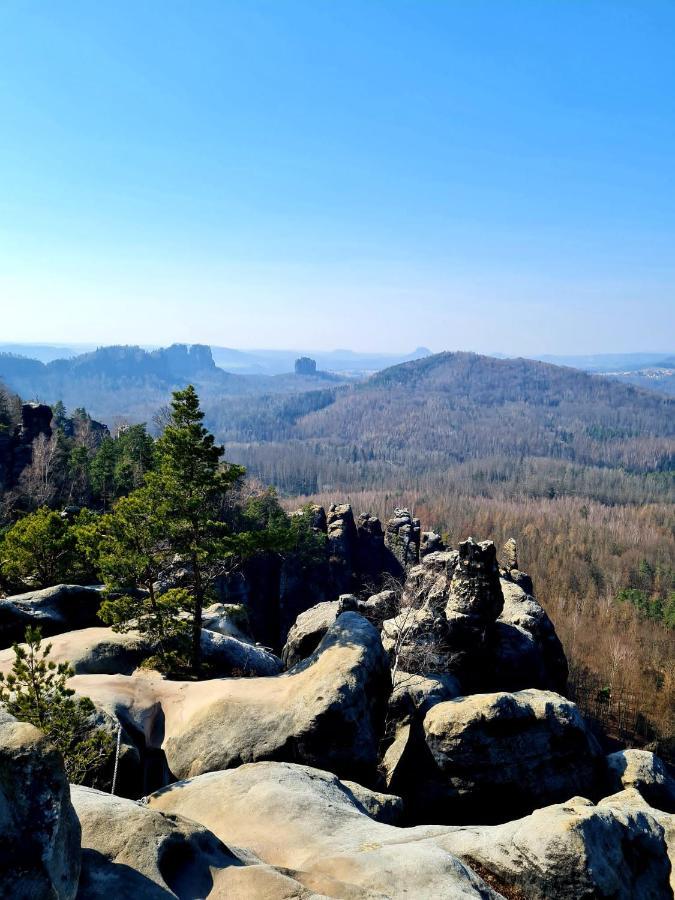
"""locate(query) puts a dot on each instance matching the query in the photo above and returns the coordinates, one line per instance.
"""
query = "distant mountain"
(279, 362)
(608, 362)
(133, 383)
(46, 352)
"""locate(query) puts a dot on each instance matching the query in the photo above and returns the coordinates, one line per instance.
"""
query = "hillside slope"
(493, 419)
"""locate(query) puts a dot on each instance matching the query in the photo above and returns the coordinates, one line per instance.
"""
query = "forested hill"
(496, 420)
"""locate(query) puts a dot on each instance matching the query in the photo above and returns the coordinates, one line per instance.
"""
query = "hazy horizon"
(485, 176)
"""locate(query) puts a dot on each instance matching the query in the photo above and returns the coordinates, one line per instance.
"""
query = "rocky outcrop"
(372, 559)
(458, 616)
(419, 693)
(402, 538)
(631, 800)
(310, 626)
(431, 543)
(645, 773)
(130, 850)
(510, 555)
(64, 607)
(571, 850)
(104, 651)
(307, 632)
(502, 755)
(305, 365)
(342, 547)
(527, 651)
(93, 650)
(328, 711)
(230, 619)
(448, 611)
(328, 835)
(40, 844)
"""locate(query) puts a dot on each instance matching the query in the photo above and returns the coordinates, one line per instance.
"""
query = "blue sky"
(492, 176)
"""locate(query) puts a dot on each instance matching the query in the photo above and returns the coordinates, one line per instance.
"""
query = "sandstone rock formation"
(571, 850)
(130, 850)
(644, 772)
(328, 711)
(326, 831)
(309, 628)
(402, 538)
(342, 547)
(39, 831)
(527, 652)
(439, 697)
(63, 607)
(448, 611)
(458, 616)
(104, 651)
(502, 755)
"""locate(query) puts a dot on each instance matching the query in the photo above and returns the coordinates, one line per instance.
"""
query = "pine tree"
(132, 549)
(189, 487)
(35, 691)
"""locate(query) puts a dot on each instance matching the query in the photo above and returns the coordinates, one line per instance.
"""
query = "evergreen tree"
(40, 547)
(35, 691)
(103, 471)
(132, 549)
(189, 487)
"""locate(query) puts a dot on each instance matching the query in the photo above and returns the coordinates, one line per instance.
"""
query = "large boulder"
(307, 632)
(413, 693)
(502, 754)
(631, 800)
(130, 850)
(63, 607)
(93, 650)
(40, 833)
(328, 711)
(646, 773)
(230, 619)
(311, 625)
(227, 655)
(570, 850)
(305, 820)
(379, 607)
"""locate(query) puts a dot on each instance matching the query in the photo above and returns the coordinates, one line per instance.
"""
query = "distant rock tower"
(305, 366)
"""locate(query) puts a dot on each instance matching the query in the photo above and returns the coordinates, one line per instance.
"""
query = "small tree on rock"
(35, 691)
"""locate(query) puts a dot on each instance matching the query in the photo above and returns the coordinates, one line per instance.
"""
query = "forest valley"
(167, 527)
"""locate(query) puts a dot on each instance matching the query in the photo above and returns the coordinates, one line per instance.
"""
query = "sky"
(459, 174)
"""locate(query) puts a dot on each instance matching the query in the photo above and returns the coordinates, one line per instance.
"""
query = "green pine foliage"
(189, 487)
(40, 549)
(35, 691)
